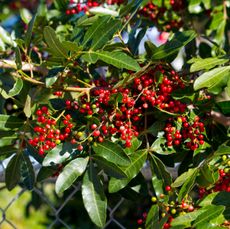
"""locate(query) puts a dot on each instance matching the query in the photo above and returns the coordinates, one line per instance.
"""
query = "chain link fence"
(55, 208)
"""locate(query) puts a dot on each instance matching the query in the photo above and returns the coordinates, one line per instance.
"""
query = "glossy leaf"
(183, 177)
(16, 88)
(70, 173)
(58, 154)
(8, 122)
(27, 173)
(152, 218)
(110, 169)
(45, 172)
(29, 31)
(111, 152)
(101, 32)
(207, 63)
(137, 160)
(54, 44)
(116, 59)
(159, 146)
(211, 212)
(13, 174)
(173, 46)
(185, 220)
(216, 198)
(215, 78)
(188, 185)
(6, 38)
(94, 198)
(27, 107)
(18, 58)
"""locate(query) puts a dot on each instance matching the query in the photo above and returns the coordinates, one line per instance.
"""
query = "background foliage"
(82, 97)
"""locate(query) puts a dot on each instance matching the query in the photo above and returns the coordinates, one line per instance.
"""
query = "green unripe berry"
(172, 203)
(154, 199)
(58, 141)
(226, 170)
(15, 107)
(79, 134)
(90, 139)
(173, 211)
(224, 157)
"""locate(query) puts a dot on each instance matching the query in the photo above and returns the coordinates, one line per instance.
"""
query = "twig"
(10, 64)
(39, 83)
(220, 118)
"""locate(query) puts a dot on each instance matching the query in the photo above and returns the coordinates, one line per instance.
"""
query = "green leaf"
(173, 46)
(13, 174)
(110, 168)
(215, 78)
(183, 177)
(194, 6)
(158, 185)
(29, 31)
(53, 75)
(222, 150)
(101, 32)
(27, 173)
(94, 198)
(188, 185)
(185, 220)
(70, 173)
(27, 107)
(152, 218)
(207, 176)
(8, 122)
(137, 160)
(211, 212)
(58, 154)
(6, 38)
(103, 11)
(150, 49)
(132, 6)
(54, 44)
(136, 143)
(216, 198)
(111, 152)
(71, 46)
(16, 88)
(45, 172)
(207, 63)
(159, 170)
(25, 15)
(117, 59)
(159, 146)
(18, 58)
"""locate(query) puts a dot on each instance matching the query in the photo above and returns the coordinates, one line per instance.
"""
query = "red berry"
(168, 188)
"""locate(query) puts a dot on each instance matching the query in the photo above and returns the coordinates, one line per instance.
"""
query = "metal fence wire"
(55, 209)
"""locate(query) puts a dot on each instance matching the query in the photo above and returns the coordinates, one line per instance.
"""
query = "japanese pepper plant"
(83, 97)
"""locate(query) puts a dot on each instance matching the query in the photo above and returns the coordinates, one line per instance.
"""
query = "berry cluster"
(119, 111)
(178, 5)
(48, 135)
(171, 209)
(223, 184)
(76, 8)
(160, 15)
(157, 92)
(181, 130)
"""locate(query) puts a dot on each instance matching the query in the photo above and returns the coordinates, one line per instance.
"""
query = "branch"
(220, 118)
(37, 82)
(10, 64)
